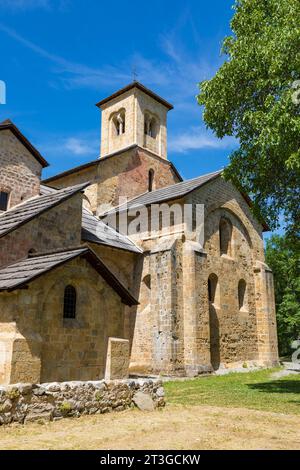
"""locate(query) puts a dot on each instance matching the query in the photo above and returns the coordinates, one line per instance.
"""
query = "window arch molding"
(216, 211)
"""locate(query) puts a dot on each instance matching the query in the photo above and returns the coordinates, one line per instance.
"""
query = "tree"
(254, 97)
(283, 258)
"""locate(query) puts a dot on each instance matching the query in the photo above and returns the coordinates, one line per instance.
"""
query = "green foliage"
(13, 394)
(250, 97)
(283, 258)
(65, 408)
(99, 396)
(256, 390)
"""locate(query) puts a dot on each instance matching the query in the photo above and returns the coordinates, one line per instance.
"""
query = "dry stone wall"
(25, 403)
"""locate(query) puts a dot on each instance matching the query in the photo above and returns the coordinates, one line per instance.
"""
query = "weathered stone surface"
(160, 392)
(143, 401)
(32, 402)
(6, 406)
(25, 389)
(40, 416)
(117, 360)
(20, 171)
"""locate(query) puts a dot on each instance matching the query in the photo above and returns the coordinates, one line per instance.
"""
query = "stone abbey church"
(77, 294)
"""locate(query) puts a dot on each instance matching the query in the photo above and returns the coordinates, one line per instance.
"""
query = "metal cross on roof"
(134, 73)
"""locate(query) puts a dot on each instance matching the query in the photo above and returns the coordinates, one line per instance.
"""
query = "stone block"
(143, 401)
(117, 361)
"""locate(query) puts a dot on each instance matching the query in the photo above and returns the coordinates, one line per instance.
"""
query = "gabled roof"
(26, 211)
(167, 193)
(141, 87)
(21, 273)
(8, 124)
(100, 160)
(95, 231)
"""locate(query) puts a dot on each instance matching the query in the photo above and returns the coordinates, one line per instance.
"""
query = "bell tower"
(131, 116)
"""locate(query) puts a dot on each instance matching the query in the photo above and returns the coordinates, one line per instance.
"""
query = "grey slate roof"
(46, 190)
(19, 274)
(95, 231)
(167, 193)
(26, 211)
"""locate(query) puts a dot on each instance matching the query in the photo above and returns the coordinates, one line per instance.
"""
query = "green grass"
(254, 390)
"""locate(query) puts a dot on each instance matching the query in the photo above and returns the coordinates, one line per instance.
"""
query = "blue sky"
(59, 57)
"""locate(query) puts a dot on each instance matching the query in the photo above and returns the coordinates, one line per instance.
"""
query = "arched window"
(225, 234)
(4, 200)
(70, 302)
(160, 220)
(31, 252)
(213, 290)
(119, 123)
(150, 127)
(147, 281)
(242, 294)
(150, 179)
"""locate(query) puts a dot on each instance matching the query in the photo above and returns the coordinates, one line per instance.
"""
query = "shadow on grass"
(277, 386)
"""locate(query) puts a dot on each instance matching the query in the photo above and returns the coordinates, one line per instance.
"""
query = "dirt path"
(176, 427)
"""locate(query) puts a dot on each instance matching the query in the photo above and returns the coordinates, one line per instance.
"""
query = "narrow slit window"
(150, 180)
(225, 233)
(70, 302)
(242, 291)
(213, 290)
(3, 201)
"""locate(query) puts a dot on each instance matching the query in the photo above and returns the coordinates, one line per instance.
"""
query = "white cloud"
(72, 74)
(84, 145)
(197, 139)
(177, 74)
(79, 146)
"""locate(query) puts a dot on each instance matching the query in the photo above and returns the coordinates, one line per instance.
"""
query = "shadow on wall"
(214, 337)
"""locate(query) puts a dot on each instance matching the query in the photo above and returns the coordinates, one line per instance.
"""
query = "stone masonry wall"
(37, 344)
(56, 229)
(121, 175)
(110, 142)
(23, 403)
(177, 330)
(135, 104)
(145, 104)
(20, 171)
(236, 335)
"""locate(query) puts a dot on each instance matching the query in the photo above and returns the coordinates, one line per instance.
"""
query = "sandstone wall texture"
(177, 328)
(117, 359)
(134, 106)
(20, 172)
(122, 175)
(26, 402)
(56, 229)
(37, 344)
